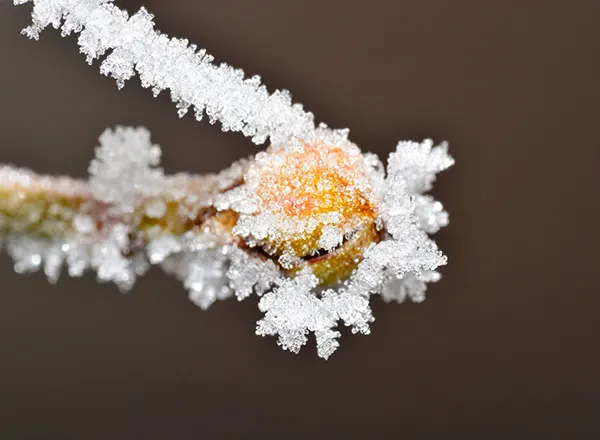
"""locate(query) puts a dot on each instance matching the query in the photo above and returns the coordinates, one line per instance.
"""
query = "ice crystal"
(248, 274)
(410, 286)
(203, 275)
(292, 310)
(312, 225)
(124, 170)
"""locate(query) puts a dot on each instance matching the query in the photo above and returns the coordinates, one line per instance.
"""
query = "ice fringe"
(211, 267)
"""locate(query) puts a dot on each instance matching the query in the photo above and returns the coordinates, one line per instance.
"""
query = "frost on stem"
(255, 228)
(312, 225)
(130, 45)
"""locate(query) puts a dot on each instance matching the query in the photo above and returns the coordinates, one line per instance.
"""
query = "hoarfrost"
(132, 45)
(213, 267)
(121, 221)
(124, 169)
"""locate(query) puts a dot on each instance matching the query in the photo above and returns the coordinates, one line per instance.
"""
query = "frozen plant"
(311, 225)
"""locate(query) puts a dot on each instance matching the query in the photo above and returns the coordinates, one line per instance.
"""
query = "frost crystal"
(312, 225)
(123, 170)
(292, 310)
(410, 286)
(203, 275)
(248, 274)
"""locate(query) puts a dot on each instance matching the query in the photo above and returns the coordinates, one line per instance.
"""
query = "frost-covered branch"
(132, 46)
(312, 225)
(313, 229)
(126, 213)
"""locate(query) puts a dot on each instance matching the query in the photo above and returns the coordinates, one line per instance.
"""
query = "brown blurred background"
(505, 345)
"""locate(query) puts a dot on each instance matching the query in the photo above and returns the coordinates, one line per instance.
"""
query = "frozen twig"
(126, 213)
(163, 63)
(311, 225)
